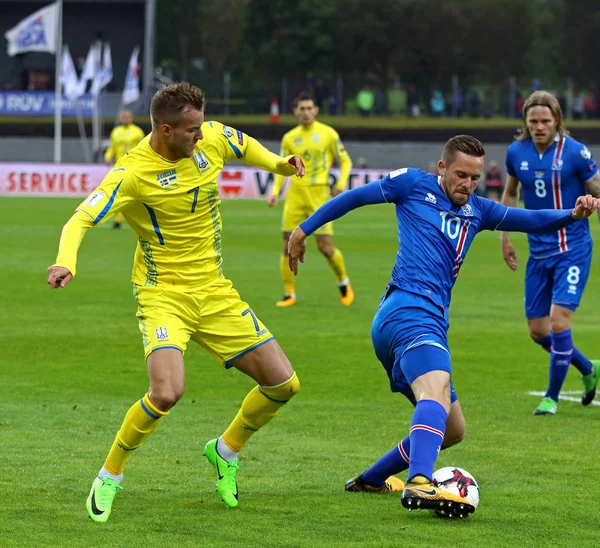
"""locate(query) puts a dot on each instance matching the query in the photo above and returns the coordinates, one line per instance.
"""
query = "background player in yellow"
(318, 145)
(167, 189)
(122, 139)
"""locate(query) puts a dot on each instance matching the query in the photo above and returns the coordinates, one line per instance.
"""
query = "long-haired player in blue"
(553, 170)
(438, 217)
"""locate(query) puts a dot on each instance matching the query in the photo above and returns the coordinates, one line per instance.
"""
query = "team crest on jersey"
(162, 334)
(227, 131)
(467, 210)
(168, 180)
(585, 153)
(430, 198)
(201, 161)
(316, 138)
(557, 164)
(539, 174)
(524, 166)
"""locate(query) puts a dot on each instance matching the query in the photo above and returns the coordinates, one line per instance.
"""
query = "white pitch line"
(564, 397)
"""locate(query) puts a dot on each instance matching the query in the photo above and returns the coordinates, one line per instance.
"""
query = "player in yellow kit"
(318, 145)
(122, 139)
(167, 190)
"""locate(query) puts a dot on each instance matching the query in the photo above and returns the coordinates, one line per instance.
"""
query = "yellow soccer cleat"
(347, 293)
(421, 494)
(391, 485)
(288, 300)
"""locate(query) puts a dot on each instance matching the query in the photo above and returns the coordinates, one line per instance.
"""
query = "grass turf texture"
(72, 365)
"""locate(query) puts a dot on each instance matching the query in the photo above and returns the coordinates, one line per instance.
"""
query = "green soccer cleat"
(226, 474)
(589, 383)
(547, 407)
(99, 502)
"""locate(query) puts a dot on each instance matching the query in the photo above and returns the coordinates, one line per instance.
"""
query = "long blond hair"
(542, 99)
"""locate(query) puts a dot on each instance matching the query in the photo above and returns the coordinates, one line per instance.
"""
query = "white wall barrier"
(79, 180)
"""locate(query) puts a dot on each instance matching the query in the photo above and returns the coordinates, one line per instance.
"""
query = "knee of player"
(326, 249)
(559, 324)
(454, 437)
(537, 334)
(166, 398)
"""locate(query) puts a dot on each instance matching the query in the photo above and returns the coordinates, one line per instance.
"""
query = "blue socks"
(560, 358)
(583, 365)
(426, 436)
(393, 462)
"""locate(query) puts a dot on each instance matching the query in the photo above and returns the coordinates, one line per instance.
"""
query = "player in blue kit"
(438, 217)
(553, 170)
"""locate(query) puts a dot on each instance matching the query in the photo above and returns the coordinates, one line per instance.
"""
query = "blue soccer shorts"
(409, 335)
(559, 280)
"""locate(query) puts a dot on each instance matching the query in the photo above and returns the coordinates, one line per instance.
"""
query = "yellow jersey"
(318, 145)
(173, 206)
(122, 140)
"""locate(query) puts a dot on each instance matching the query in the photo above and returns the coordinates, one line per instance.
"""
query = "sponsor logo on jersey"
(94, 198)
(240, 137)
(168, 180)
(467, 210)
(298, 140)
(524, 166)
(557, 165)
(162, 334)
(201, 161)
(585, 153)
(430, 198)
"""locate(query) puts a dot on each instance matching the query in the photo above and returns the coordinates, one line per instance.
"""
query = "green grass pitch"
(72, 364)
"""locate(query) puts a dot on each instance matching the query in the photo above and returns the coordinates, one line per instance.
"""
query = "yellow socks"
(141, 420)
(287, 276)
(260, 405)
(336, 262)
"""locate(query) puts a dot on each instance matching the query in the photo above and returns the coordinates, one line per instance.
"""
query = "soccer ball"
(459, 482)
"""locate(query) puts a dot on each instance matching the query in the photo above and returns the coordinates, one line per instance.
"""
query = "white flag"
(105, 74)
(91, 66)
(131, 91)
(68, 76)
(34, 33)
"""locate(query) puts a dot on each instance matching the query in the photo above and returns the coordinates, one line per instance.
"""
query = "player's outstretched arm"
(540, 221)
(510, 198)
(258, 156)
(62, 272)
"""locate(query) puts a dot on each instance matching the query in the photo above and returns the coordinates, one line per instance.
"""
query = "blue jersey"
(433, 235)
(553, 180)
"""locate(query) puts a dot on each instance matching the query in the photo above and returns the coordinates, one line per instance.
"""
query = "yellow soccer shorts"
(216, 318)
(301, 202)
